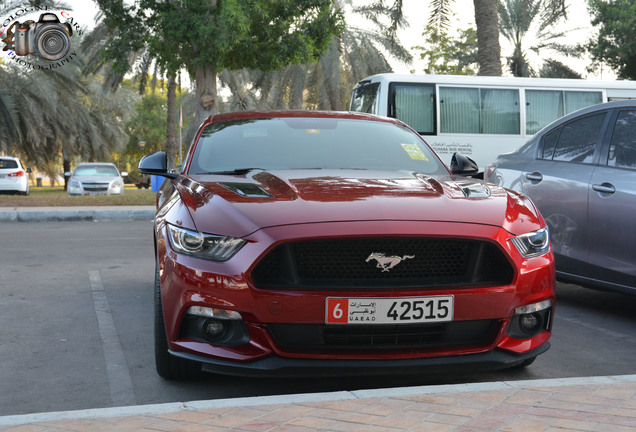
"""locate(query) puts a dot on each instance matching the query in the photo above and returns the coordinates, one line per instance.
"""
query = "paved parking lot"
(76, 313)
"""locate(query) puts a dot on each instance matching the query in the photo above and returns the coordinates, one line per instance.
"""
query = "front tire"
(167, 365)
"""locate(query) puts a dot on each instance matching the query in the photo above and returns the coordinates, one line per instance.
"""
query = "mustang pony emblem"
(386, 263)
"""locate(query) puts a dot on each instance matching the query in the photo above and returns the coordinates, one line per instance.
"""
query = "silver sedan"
(580, 171)
(96, 179)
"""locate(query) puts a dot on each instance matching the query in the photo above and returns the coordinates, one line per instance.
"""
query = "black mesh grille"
(308, 337)
(398, 262)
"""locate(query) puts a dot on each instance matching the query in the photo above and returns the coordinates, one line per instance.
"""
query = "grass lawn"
(56, 197)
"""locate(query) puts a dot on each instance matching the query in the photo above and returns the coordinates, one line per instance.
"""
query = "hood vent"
(247, 190)
(474, 190)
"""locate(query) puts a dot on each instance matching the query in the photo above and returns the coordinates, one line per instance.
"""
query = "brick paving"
(603, 404)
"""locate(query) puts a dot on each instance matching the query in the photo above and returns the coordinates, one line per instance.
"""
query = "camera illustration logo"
(48, 37)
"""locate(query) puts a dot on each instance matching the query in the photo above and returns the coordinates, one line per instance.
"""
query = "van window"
(414, 104)
(479, 110)
(365, 98)
(545, 106)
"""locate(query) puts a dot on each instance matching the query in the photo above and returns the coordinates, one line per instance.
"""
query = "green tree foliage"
(353, 54)
(210, 35)
(448, 55)
(555, 69)
(615, 44)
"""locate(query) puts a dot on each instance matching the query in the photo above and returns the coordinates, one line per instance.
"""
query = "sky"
(416, 12)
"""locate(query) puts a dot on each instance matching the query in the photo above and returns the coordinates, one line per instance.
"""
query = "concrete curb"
(174, 407)
(77, 214)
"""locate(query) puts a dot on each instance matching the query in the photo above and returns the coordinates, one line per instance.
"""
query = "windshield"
(104, 170)
(306, 143)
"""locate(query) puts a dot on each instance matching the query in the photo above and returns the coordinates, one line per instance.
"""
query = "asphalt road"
(76, 328)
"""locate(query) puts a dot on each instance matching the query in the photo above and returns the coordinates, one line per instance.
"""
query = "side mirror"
(156, 164)
(463, 165)
(123, 173)
(29, 171)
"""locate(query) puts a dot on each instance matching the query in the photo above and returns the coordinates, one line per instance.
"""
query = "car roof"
(95, 164)
(10, 157)
(240, 115)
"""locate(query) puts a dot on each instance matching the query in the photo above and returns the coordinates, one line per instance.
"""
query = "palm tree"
(488, 48)
(57, 112)
(521, 17)
(486, 20)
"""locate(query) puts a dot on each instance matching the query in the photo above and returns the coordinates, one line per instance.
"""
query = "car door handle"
(606, 188)
(535, 176)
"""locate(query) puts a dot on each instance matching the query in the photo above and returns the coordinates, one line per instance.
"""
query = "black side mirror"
(463, 165)
(156, 164)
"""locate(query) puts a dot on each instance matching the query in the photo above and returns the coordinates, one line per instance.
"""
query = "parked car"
(317, 243)
(13, 176)
(95, 178)
(580, 171)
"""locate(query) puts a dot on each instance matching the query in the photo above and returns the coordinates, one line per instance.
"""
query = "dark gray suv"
(580, 171)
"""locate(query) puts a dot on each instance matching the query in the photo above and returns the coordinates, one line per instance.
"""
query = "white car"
(96, 179)
(13, 176)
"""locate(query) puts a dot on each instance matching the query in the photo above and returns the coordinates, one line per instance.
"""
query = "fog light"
(530, 320)
(219, 327)
(214, 328)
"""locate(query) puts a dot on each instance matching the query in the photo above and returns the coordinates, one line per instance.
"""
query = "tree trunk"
(205, 82)
(171, 129)
(66, 167)
(488, 49)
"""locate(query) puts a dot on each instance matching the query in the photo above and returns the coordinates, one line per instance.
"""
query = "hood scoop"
(474, 190)
(247, 190)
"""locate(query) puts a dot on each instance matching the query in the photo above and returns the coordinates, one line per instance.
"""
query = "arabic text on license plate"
(402, 310)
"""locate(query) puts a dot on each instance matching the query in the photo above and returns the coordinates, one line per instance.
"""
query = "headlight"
(75, 184)
(533, 244)
(200, 245)
(116, 184)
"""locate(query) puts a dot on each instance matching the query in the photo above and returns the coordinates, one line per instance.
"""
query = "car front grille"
(321, 337)
(95, 187)
(407, 263)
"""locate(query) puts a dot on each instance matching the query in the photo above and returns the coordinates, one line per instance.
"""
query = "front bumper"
(187, 281)
(275, 366)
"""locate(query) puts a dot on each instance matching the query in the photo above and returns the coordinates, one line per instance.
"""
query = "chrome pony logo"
(386, 263)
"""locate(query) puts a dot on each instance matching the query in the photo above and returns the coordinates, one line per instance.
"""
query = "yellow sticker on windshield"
(414, 152)
(313, 131)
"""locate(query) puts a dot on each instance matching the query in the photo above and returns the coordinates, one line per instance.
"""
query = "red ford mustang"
(315, 243)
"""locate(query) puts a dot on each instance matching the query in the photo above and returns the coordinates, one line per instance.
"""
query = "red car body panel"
(310, 205)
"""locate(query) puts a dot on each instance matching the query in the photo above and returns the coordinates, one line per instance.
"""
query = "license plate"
(403, 310)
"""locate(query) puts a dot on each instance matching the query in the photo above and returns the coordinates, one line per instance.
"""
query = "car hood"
(240, 205)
